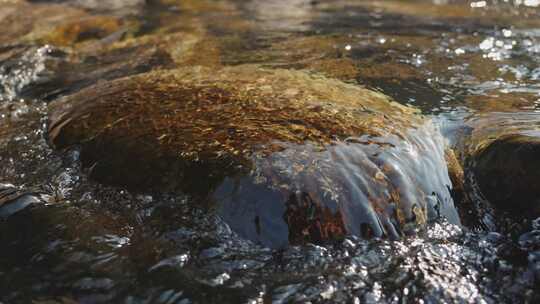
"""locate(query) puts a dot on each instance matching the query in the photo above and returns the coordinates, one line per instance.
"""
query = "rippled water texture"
(312, 189)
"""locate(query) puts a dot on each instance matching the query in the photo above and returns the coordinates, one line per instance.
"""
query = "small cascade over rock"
(286, 156)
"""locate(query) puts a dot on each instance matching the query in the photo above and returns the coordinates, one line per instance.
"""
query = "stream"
(68, 237)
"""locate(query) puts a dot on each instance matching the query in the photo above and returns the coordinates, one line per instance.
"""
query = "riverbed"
(70, 238)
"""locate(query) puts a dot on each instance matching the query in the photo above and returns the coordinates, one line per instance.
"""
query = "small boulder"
(285, 156)
(503, 152)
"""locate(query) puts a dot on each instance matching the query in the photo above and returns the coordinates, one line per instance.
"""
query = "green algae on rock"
(284, 155)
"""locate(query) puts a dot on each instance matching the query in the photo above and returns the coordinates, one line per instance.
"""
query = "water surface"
(90, 243)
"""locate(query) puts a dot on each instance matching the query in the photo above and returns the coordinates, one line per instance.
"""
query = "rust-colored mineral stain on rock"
(285, 155)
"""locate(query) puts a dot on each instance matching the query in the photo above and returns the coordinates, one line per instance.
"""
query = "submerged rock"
(13, 200)
(284, 155)
(47, 72)
(503, 152)
(69, 74)
(117, 6)
(20, 18)
(76, 31)
(58, 24)
(84, 47)
(323, 54)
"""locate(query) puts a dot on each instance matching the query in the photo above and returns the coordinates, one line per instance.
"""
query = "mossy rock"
(285, 156)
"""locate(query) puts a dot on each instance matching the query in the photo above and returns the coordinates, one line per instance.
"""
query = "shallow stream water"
(84, 242)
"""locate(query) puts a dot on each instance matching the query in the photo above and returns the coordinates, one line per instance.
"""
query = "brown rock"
(284, 155)
(503, 152)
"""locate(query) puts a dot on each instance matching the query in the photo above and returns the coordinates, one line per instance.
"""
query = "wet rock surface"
(502, 152)
(87, 241)
(274, 148)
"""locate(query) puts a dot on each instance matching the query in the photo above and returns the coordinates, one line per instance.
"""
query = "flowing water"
(70, 239)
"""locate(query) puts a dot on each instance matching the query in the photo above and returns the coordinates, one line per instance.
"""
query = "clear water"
(458, 61)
